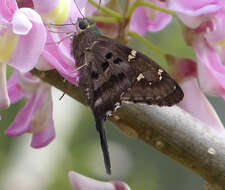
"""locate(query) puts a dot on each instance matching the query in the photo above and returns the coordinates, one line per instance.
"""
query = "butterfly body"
(112, 73)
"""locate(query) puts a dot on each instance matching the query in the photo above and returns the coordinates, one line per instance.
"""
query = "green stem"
(106, 10)
(147, 43)
(104, 19)
(150, 5)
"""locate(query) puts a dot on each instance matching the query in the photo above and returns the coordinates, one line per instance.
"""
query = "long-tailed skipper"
(110, 72)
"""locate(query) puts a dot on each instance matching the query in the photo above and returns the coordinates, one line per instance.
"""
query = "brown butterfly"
(110, 72)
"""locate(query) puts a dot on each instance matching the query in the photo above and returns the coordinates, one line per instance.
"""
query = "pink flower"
(197, 105)
(58, 55)
(205, 34)
(80, 182)
(181, 69)
(21, 31)
(36, 116)
(193, 13)
(206, 23)
(211, 71)
(146, 20)
(185, 72)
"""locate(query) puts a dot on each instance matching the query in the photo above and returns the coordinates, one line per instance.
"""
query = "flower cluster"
(203, 23)
(203, 26)
(27, 42)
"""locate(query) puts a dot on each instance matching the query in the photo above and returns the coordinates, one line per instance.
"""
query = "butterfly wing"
(130, 76)
(153, 85)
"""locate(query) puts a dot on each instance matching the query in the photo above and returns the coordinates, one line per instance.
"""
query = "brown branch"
(170, 130)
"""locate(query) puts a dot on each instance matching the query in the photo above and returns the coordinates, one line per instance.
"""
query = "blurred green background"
(77, 147)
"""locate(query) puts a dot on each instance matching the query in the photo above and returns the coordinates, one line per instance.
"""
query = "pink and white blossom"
(57, 51)
(193, 13)
(204, 31)
(36, 116)
(198, 105)
(80, 182)
(145, 20)
(184, 71)
(22, 39)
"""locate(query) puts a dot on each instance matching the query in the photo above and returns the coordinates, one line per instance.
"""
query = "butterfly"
(110, 73)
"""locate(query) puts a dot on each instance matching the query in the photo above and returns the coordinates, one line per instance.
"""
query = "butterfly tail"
(104, 145)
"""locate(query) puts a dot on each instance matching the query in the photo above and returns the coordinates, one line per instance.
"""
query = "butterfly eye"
(83, 24)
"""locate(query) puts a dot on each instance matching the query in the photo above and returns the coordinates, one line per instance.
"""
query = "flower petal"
(139, 21)
(42, 116)
(210, 69)
(7, 8)
(58, 11)
(181, 68)
(45, 6)
(192, 12)
(33, 43)
(80, 182)
(199, 106)
(160, 20)
(14, 89)
(44, 137)
(119, 185)
(64, 66)
(144, 20)
(21, 24)
(21, 123)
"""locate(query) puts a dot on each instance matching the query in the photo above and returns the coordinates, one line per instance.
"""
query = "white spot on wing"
(117, 106)
(132, 55)
(160, 71)
(109, 113)
(133, 52)
(140, 76)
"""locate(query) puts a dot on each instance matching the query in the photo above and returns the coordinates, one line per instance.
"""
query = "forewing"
(143, 80)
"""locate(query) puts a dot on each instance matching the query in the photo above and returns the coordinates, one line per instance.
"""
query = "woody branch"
(170, 130)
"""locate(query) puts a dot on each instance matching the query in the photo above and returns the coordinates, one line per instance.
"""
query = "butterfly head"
(84, 23)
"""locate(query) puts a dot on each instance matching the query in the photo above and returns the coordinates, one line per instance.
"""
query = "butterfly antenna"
(100, 127)
(78, 9)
